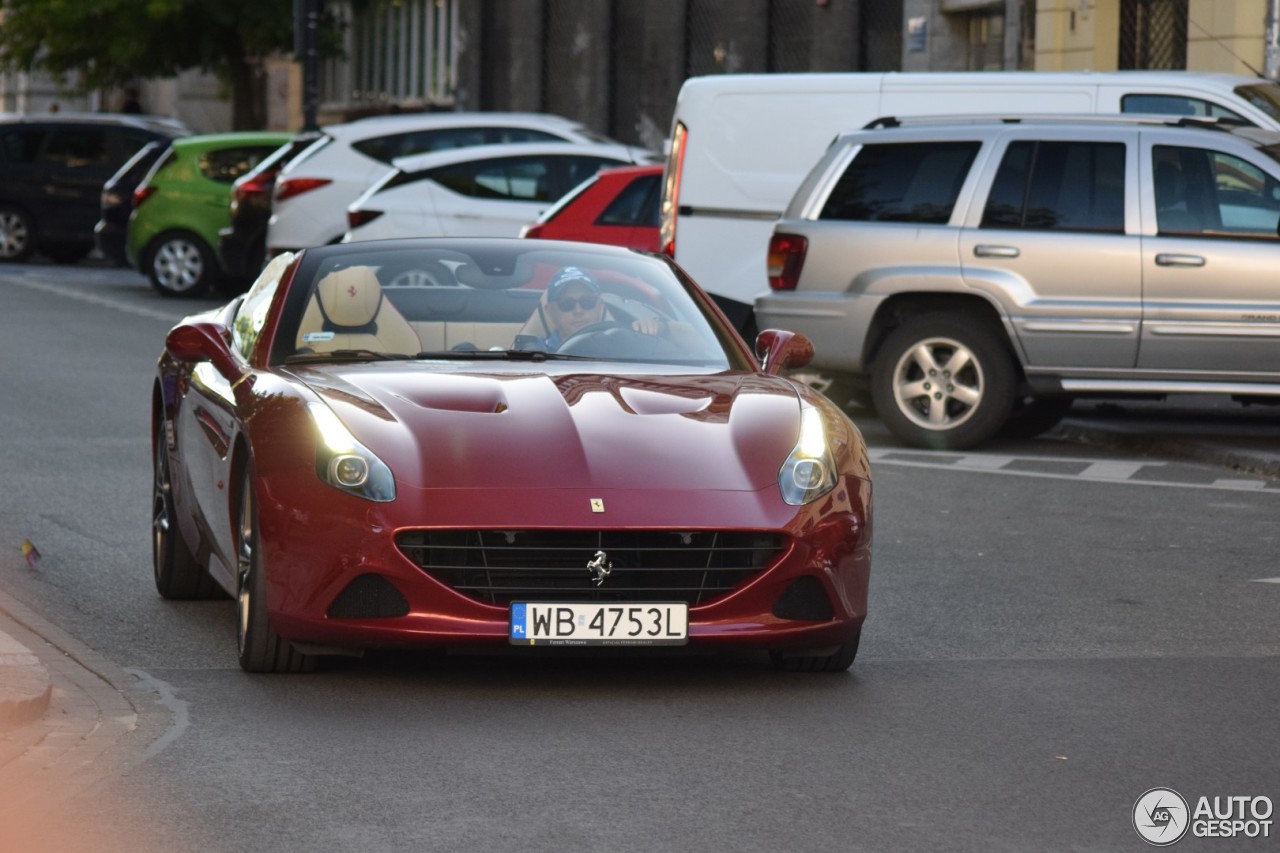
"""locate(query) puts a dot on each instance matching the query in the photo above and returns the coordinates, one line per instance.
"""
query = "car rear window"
(636, 205)
(1067, 186)
(902, 182)
(227, 164)
(387, 148)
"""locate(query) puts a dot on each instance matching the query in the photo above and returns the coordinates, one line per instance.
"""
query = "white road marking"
(1266, 580)
(94, 299)
(1119, 471)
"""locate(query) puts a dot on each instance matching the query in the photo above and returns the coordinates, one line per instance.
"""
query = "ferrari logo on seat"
(597, 504)
(351, 291)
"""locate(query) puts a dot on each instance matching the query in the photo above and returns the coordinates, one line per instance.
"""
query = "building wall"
(1233, 36)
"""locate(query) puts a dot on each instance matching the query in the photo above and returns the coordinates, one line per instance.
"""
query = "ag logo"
(1160, 816)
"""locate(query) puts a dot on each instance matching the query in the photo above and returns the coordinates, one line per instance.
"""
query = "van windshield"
(1264, 96)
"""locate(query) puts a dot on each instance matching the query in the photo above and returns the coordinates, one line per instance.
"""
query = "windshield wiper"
(500, 355)
(347, 355)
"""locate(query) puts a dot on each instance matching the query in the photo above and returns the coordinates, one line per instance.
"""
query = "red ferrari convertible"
(458, 443)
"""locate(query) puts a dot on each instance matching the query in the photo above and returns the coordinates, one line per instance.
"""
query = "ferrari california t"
(467, 442)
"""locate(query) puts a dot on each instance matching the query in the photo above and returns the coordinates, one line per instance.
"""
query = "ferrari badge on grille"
(600, 567)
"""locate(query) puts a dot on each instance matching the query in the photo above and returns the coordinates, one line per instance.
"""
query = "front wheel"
(943, 381)
(180, 264)
(17, 234)
(178, 574)
(259, 647)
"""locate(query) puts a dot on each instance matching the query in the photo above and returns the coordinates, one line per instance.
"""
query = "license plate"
(648, 624)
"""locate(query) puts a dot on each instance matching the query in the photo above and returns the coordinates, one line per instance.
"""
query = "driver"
(573, 302)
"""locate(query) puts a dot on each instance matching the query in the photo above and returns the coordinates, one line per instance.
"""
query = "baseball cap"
(568, 276)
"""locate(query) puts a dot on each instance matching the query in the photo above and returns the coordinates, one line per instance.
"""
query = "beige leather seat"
(349, 311)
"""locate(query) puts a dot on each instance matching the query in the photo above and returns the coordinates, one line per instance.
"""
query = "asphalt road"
(1054, 629)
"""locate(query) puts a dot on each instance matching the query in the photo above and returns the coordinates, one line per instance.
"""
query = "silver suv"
(980, 273)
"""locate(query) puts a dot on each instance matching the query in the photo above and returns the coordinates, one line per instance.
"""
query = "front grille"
(501, 566)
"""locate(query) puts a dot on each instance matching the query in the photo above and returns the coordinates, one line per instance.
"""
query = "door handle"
(1166, 260)
(995, 251)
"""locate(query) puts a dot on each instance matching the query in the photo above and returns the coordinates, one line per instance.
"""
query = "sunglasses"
(586, 303)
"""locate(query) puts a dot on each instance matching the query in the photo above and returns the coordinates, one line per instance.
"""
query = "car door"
(79, 159)
(1054, 239)
(1211, 257)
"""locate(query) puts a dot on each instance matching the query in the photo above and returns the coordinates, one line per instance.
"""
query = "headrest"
(350, 297)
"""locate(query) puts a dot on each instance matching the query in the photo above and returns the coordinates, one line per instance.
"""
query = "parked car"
(242, 245)
(487, 190)
(52, 170)
(182, 203)
(314, 189)
(111, 234)
(423, 466)
(741, 143)
(617, 206)
(980, 274)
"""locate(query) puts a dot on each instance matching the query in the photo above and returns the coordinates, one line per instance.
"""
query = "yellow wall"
(1084, 35)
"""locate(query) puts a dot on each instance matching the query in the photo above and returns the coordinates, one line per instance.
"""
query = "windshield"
(496, 300)
(1264, 96)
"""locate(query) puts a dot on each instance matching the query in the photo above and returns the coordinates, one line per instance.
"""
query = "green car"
(183, 201)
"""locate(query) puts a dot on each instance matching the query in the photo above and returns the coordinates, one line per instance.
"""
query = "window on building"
(395, 53)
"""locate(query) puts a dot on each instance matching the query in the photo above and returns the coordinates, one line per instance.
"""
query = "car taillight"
(356, 218)
(141, 194)
(671, 192)
(291, 187)
(786, 259)
(533, 231)
(260, 185)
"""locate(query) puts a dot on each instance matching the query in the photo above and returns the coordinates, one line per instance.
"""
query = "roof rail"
(1203, 122)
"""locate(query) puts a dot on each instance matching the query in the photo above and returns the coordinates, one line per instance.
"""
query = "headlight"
(345, 463)
(810, 471)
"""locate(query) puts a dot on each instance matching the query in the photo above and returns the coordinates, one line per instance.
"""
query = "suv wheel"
(180, 264)
(15, 234)
(943, 381)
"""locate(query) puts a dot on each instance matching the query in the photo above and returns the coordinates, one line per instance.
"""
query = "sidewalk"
(24, 683)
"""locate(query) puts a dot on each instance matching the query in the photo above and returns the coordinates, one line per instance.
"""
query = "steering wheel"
(612, 338)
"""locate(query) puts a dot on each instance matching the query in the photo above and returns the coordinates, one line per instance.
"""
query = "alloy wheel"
(938, 383)
(15, 235)
(178, 265)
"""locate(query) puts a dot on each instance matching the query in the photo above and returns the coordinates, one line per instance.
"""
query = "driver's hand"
(655, 326)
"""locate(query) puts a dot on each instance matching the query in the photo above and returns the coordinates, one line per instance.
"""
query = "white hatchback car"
(314, 188)
(487, 191)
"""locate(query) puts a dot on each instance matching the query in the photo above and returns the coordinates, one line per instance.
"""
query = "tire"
(178, 574)
(1032, 416)
(838, 661)
(17, 234)
(259, 647)
(180, 264)
(943, 381)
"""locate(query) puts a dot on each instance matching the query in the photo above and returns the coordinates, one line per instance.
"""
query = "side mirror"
(780, 350)
(196, 342)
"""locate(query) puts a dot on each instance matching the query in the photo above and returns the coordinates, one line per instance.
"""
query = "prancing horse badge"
(597, 504)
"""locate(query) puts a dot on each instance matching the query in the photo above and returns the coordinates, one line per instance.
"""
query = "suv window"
(77, 147)
(1068, 186)
(1209, 193)
(387, 148)
(903, 182)
(21, 145)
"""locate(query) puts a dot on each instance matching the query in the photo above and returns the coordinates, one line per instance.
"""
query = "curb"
(25, 687)
(1243, 460)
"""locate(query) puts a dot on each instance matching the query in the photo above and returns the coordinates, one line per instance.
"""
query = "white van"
(741, 143)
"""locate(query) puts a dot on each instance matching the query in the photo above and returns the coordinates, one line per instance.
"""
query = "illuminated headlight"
(810, 471)
(345, 463)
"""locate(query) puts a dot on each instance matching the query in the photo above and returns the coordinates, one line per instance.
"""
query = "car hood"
(529, 430)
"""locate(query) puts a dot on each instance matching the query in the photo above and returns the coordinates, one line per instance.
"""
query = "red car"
(617, 206)
(522, 443)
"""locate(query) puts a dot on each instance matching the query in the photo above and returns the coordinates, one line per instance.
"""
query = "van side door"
(1210, 258)
(1053, 239)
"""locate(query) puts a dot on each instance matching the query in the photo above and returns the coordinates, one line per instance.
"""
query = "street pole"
(1271, 66)
(306, 46)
